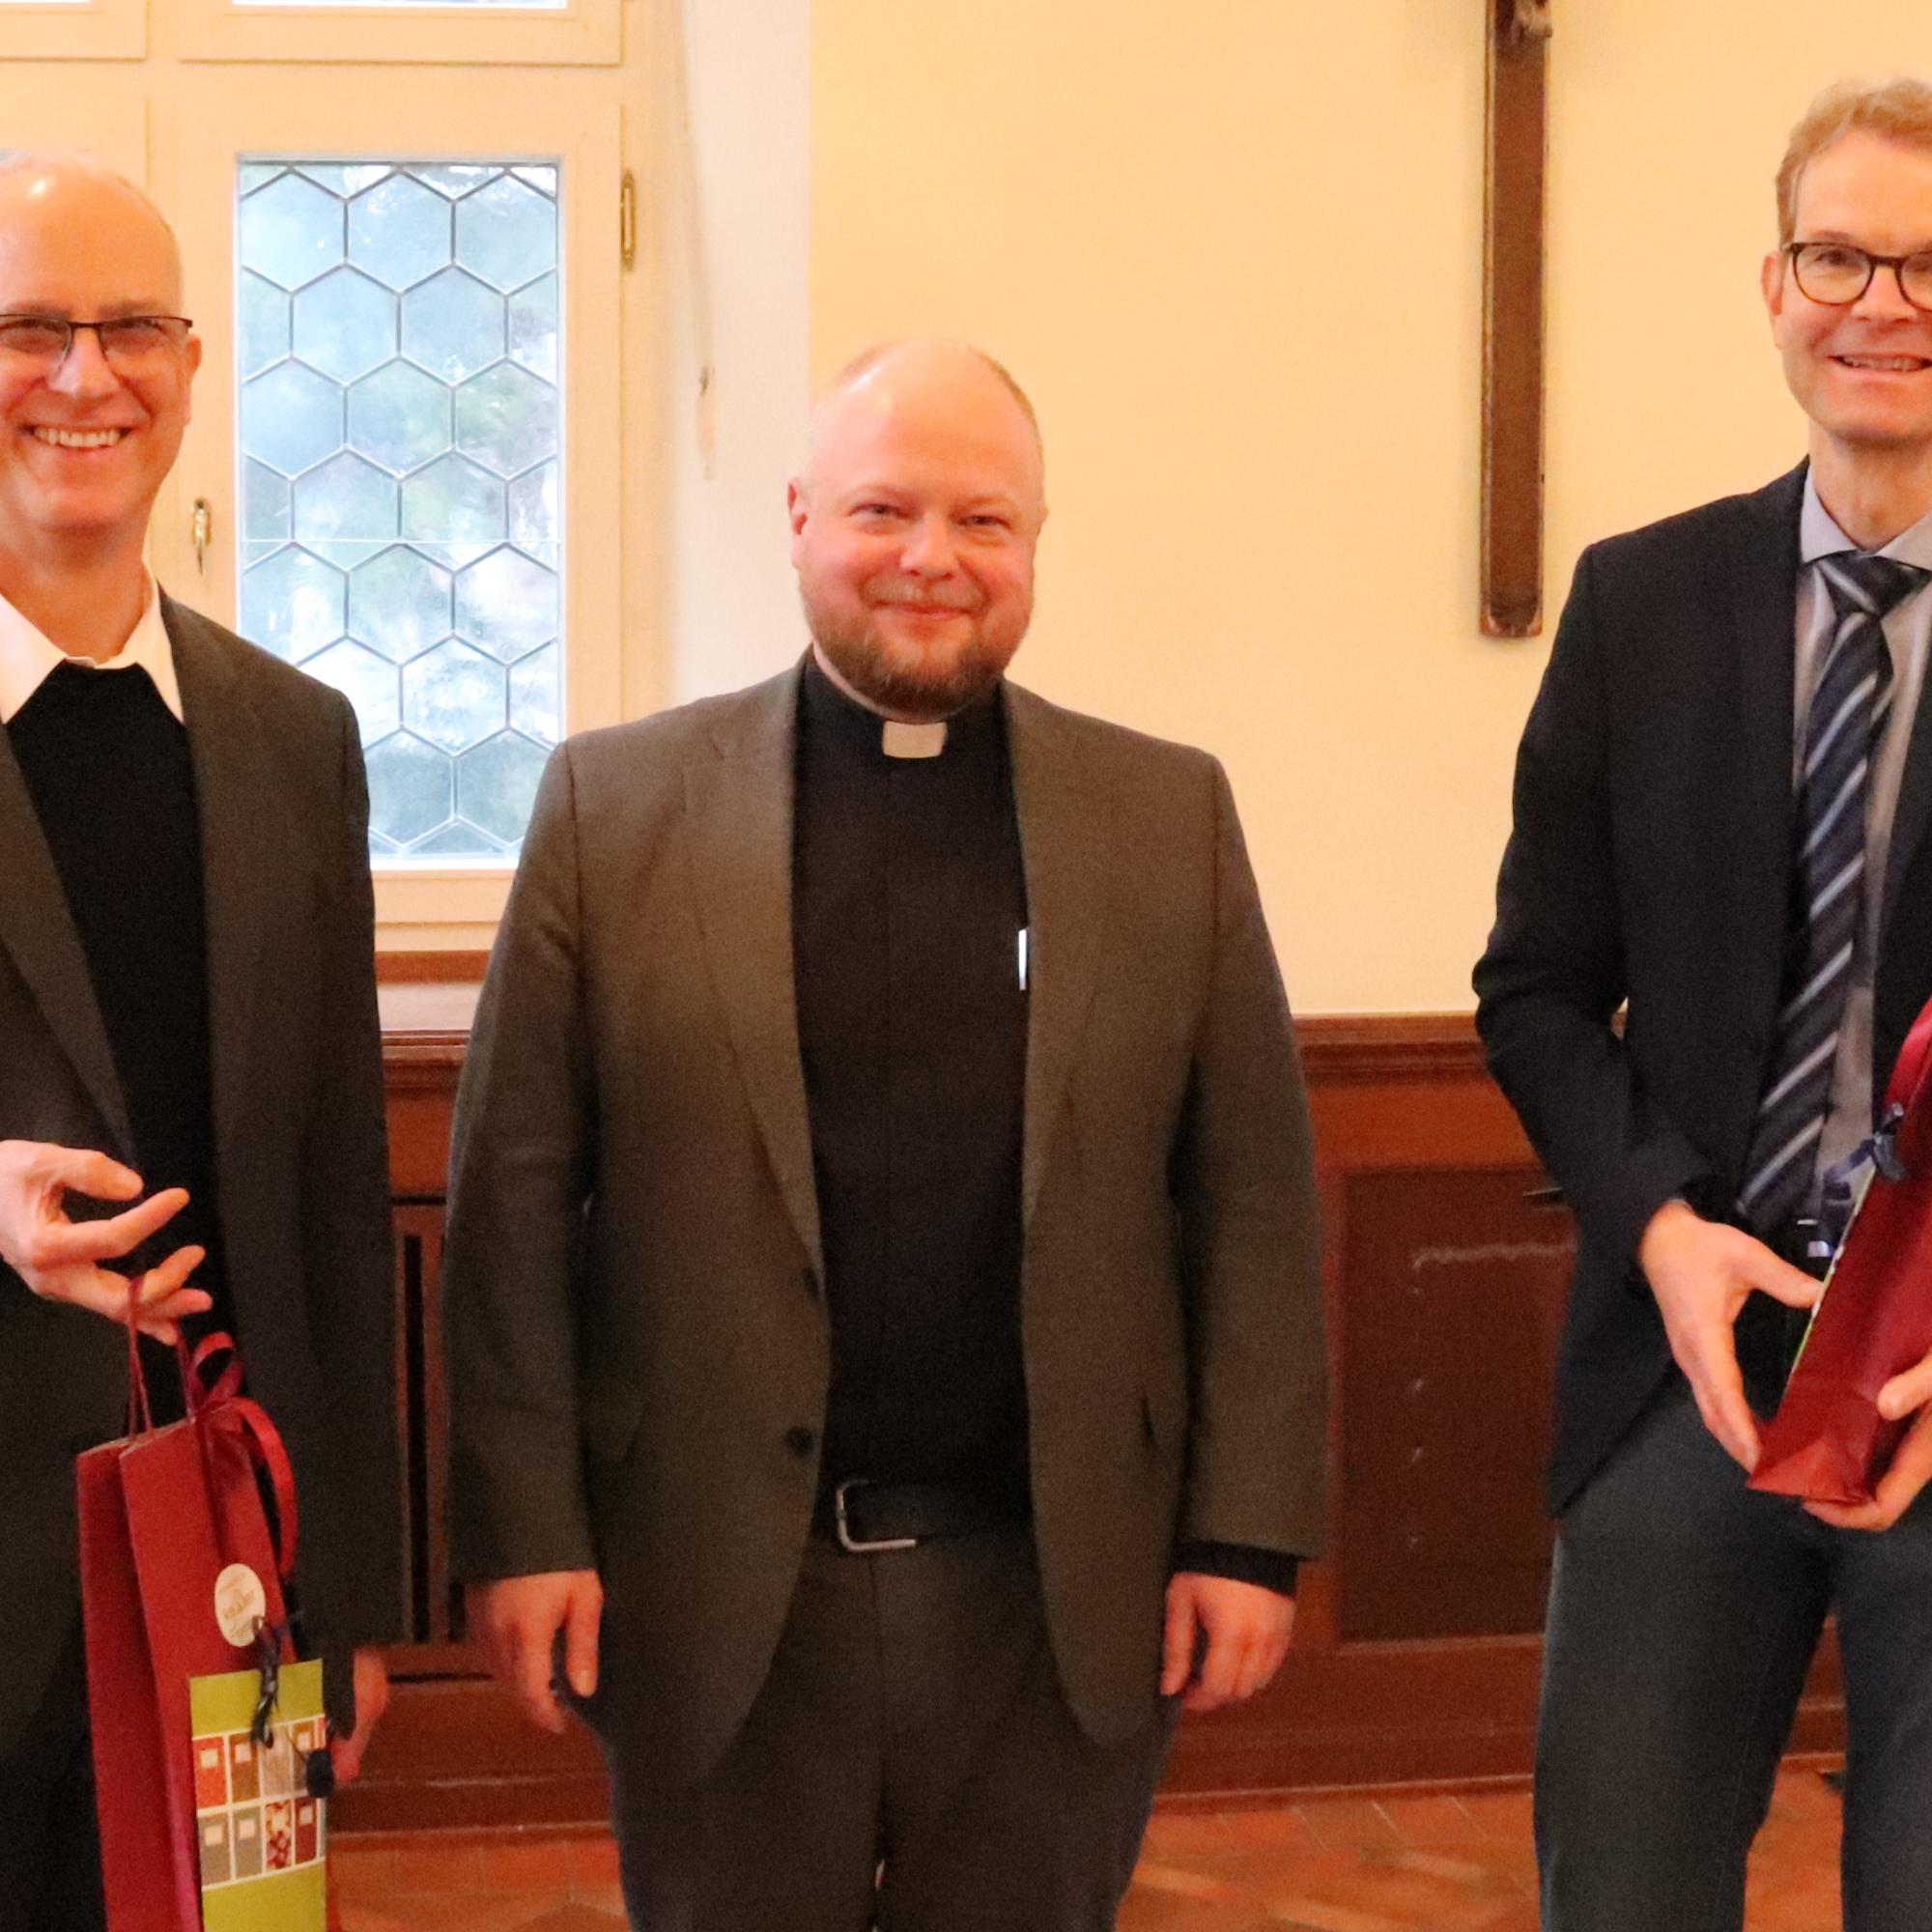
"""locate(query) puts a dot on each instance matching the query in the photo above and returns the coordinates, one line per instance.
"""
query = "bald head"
(913, 522)
(951, 385)
(39, 192)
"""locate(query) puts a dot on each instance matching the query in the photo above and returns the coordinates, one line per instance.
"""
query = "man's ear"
(1771, 281)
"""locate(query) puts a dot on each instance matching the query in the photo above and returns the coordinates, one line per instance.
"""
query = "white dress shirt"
(1907, 626)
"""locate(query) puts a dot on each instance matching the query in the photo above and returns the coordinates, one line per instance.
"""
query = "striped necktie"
(1843, 730)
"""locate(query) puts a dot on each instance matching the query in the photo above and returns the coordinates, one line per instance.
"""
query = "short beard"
(922, 693)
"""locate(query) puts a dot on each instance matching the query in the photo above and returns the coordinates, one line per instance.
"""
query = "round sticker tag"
(241, 1604)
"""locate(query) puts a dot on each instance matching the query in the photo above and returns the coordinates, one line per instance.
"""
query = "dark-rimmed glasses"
(1837, 274)
(126, 341)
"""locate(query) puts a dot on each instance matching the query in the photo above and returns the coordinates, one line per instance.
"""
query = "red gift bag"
(181, 1576)
(1828, 1442)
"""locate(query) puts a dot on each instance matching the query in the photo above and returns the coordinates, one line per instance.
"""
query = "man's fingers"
(1898, 1488)
(61, 1243)
(579, 1638)
(1903, 1394)
(1220, 1671)
(1792, 1286)
(87, 1172)
(1727, 1416)
(532, 1676)
(1176, 1650)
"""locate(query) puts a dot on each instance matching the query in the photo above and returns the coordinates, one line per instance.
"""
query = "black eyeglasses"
(126, 341)
(1837, 274)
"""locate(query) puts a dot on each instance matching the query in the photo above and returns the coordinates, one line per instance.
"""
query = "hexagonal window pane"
(506, 605)
(347, 501)
(535, 694)
(265, 503)
(455, 180)
(366, 681)
(533, 510)
(345, 325)
(452, 324)
(506, 418)
(400, 417)
(264, 324)
(506, 232)
(344, 180)
(410, 788)
(399, 603)
(399, 232)
(453, 502)
(293, 604)
(290, 418)
(291, 231)
(497, 784)
(453, 696)
(534, 328)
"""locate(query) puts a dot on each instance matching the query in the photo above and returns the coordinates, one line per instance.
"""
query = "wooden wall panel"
(1416, 1649)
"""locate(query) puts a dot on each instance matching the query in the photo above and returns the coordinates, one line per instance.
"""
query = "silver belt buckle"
(846, 1540)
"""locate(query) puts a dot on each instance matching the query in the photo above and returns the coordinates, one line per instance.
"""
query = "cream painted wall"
(1233, 251)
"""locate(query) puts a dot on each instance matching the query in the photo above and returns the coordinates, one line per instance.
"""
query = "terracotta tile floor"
(1396, 1864)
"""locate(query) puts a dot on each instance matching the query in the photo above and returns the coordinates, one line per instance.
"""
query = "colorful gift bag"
(181, 1578)
(261, 1838)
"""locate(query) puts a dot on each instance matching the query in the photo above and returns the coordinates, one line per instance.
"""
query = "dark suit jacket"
(1650, 862)
(302, 1169)
(637, 1343)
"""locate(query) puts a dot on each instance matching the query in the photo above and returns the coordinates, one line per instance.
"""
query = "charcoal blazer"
(300, 1157)
(1650, 862)
(638, 1341)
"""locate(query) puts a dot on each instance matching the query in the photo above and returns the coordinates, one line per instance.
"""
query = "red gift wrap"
(1828, 1442)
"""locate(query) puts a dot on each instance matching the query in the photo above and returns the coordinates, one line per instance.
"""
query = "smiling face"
(86, 445)
(1862, 372)
(913, 530)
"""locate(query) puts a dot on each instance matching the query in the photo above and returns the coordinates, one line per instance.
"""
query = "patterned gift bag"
(261, 1838)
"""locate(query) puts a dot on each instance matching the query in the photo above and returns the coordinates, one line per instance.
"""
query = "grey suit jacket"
(301, 1163)
(638, 1340)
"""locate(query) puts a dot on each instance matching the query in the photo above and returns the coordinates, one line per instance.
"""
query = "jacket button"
(801, 1441)
(809, 1278)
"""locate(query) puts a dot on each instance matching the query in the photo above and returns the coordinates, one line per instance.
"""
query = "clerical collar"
(827, 710)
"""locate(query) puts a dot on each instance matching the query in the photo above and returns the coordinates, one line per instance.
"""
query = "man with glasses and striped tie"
(1723, 806)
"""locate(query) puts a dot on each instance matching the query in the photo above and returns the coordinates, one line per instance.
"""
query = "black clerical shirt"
(908, 902)
(908, 908)
(107, 767)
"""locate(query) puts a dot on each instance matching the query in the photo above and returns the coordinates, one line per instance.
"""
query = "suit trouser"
(49, 1838)
(1684, 1612)
(910, 1759)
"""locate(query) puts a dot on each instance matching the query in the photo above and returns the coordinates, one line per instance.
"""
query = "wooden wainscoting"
(1417, 1647)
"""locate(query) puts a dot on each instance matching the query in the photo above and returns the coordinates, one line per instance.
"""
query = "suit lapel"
(1064, 821)
(1910, 818)
(39, 932)
(1756, 577)
(738, 806)
(243, 863)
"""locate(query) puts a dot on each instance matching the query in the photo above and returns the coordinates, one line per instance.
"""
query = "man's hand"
(1701, 1273)
(518, 1619)
(1911, 1468)
(59, 1259)
(372, 1699)
(1247, 1629)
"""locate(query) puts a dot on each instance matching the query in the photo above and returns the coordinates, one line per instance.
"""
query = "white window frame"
(212, 124)
(580, 32)
(92, 30)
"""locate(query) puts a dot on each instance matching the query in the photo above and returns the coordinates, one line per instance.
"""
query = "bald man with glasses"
(191, 1086)
(1723, 806)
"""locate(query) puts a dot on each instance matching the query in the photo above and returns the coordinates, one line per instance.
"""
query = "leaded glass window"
(400, 430)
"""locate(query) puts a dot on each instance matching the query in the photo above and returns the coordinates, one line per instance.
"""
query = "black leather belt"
(870, 1517)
